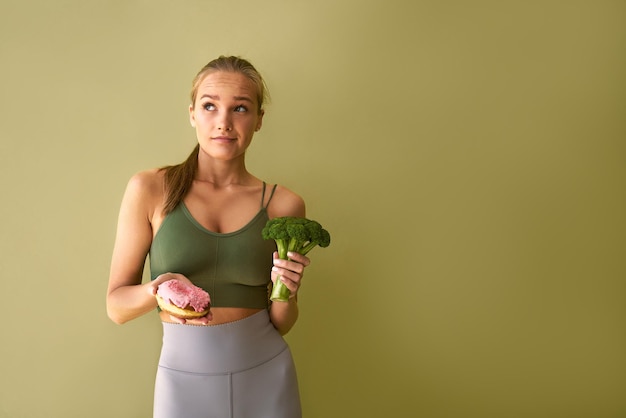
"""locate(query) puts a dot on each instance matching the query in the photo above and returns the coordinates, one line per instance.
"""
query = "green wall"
(469, 158)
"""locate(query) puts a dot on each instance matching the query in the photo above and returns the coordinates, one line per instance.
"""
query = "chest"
(223, 210)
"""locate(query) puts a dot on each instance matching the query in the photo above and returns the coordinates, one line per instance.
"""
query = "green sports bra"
(234, 268)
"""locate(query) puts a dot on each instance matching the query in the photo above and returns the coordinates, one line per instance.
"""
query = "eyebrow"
(214, 97)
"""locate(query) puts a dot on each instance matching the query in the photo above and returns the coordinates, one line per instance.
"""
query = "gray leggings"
(236, 370)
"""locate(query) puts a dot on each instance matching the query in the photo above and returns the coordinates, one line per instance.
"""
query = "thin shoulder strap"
(271, 195)
(262, 195)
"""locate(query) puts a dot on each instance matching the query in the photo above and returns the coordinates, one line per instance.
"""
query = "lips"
(223, 139)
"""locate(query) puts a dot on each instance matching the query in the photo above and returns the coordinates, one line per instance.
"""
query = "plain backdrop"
(468, 157)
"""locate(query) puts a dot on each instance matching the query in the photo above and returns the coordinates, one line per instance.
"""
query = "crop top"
(234, 268)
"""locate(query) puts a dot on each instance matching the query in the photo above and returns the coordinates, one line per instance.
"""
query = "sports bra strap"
(263, 196)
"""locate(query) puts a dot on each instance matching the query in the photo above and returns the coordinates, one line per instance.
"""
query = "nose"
(225, 122)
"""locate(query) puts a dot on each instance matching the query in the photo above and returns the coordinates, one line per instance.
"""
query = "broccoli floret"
(297, 235)
(294, 234)
(275, 229)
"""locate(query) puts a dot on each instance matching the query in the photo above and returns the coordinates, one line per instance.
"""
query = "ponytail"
(178, 180)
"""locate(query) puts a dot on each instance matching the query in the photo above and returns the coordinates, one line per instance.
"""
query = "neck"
(222, 173)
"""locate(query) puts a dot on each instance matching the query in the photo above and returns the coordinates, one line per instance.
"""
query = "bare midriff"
(220, 316)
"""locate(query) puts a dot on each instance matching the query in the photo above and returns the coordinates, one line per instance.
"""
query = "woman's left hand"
(290, 271)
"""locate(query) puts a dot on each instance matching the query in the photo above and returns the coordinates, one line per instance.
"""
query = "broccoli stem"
(308, 247)
(282, 248)
(280, 292)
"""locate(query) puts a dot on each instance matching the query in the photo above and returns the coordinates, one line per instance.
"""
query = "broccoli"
(294, 234)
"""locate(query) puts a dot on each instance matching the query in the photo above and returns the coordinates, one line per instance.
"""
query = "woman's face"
(225, 114)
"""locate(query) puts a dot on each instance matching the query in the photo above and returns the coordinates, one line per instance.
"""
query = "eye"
(241, 109)
(208, 106)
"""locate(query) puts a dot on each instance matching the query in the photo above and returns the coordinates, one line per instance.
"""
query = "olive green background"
(469, 158)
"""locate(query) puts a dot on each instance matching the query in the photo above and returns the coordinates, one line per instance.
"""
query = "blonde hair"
(232, 64)
(179, 178)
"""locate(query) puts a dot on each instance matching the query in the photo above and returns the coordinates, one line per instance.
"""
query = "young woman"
(200, 222)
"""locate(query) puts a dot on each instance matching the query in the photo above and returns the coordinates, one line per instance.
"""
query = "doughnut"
(183, 300)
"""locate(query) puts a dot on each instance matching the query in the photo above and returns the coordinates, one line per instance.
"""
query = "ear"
(192, 119)
(260, 121)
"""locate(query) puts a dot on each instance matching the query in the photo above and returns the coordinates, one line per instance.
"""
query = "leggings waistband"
(218, 349)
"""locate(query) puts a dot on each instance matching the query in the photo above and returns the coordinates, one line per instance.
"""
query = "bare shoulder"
(286, 203)
(145, 190)
(147, 182)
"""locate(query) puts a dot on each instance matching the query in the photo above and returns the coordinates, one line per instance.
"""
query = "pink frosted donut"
(183, 300)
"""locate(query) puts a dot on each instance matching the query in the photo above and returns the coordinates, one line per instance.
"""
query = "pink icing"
(184, 295)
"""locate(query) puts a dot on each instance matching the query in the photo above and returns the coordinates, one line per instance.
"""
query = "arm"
(127, 298)
(285, 314)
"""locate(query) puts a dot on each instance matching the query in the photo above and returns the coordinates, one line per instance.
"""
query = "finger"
(291, 285)
(206, 318)
(178, 320)
(200, 321)
(302, 259)
(152, 289)
(291, 279)
(286, 274)
(289, 265)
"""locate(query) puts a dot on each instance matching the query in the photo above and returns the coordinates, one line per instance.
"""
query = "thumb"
(152, 288)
